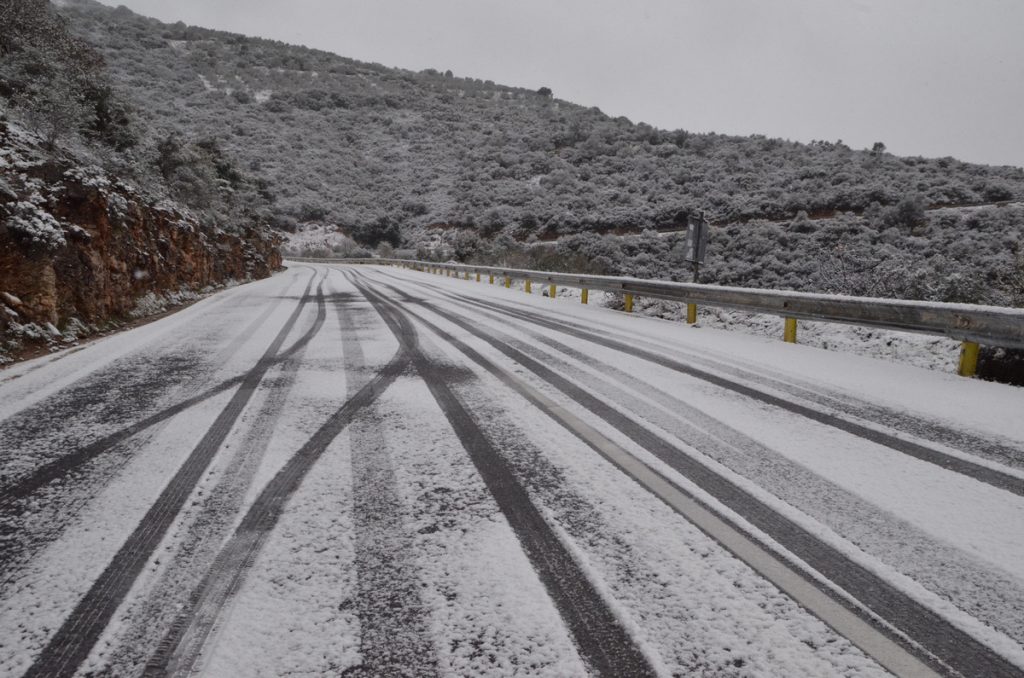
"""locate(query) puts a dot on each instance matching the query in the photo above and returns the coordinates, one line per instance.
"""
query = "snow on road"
(361, 492)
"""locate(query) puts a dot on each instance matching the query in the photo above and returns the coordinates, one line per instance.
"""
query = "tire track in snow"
(985, 474)
(601, 640)
(393, 625)
(196, 551)
(985, 592)
(37, 509)
(954, 648)
(673, 583)
(74, 640)
(394, 630)
(11, 499)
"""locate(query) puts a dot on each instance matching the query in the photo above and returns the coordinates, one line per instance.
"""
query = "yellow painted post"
(629, 303)
(553, 291)
(584, 295)
(789, 331)
(691, 313)
(490, 279)
(508, 281)
(968, 359)
(467, 275)
(478, 276)
(529, 287)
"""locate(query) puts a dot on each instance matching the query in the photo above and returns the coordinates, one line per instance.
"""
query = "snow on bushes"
(34, 227)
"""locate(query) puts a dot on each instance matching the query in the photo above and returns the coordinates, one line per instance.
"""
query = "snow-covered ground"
(328, 504)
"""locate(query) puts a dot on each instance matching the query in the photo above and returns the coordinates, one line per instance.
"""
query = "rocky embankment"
(81, 251)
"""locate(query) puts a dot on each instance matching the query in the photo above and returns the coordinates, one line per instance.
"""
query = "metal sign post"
(696, 247)
(697, 228)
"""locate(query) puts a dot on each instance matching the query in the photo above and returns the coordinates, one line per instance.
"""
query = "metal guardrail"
(970, 323)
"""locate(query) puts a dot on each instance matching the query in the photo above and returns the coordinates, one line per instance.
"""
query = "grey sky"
(927, 77)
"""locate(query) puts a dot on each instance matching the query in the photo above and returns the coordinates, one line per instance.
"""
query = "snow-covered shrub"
(89, 176)
(34, 227)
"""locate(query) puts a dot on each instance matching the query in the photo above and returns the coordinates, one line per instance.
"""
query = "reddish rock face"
(76, 243)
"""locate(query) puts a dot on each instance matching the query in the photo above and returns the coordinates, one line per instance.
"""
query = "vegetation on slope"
(372, 148)
(99, 220)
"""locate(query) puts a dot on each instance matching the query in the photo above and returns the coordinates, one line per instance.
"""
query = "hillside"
(100, 223)
(467, 169)
(369, 147)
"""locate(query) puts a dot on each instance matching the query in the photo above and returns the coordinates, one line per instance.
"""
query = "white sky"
(926, 77)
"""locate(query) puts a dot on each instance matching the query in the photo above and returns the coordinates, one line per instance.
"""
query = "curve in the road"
(987, 593)
(944, 641)
(816, 394)
(979, 472)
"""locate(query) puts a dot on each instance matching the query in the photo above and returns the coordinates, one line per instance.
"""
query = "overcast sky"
(926, 77)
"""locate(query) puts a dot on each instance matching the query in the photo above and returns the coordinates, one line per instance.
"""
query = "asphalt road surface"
(370, 471)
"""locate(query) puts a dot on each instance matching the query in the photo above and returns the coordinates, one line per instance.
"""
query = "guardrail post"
(789, 331)
(968, 359)
(508, 281)
(467, 275)
(490, 278)
(691, 313)
(584, 295)
(528, 287)
(553, 291)
(629, 303)
(478, 276)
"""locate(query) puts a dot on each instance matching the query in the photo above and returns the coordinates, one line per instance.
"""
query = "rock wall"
(79, 249)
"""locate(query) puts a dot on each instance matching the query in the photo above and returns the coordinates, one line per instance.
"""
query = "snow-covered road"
(369, 471)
